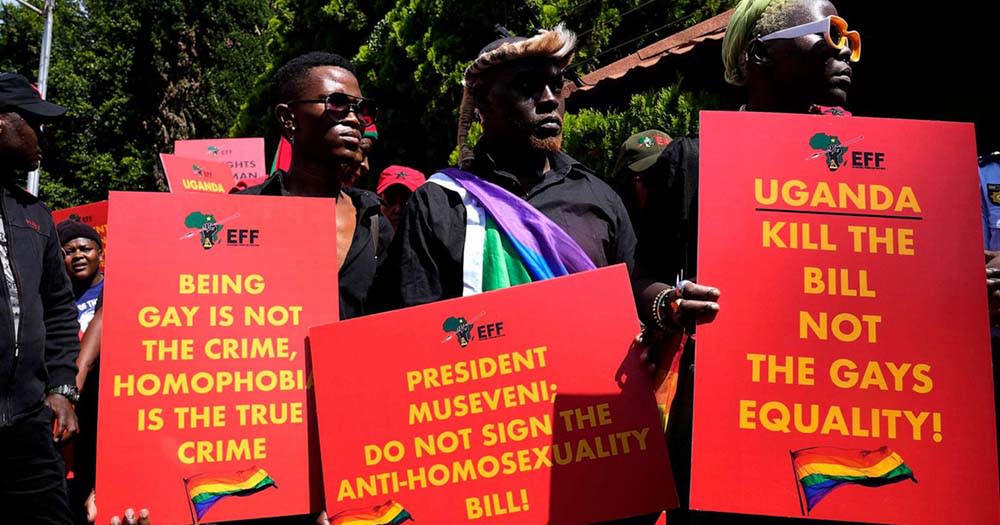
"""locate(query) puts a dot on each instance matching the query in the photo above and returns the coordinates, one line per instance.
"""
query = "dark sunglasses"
(341, 104)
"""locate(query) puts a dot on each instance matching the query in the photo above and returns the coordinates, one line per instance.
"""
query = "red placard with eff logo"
(848, 374)
(184, 175)
(524, 405)
(203, 406)
(244, 156)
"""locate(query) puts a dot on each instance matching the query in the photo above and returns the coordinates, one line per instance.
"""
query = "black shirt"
(668, 225)
(358, 272)
(425, 259)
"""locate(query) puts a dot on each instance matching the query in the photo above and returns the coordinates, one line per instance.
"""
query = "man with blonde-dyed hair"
(467, 229)
(452, 241)
(793, 56)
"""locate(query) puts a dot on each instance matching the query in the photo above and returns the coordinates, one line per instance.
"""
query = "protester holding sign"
(322, 120)
(467, 230)
(793, 57)
(322, 115)
(787, 65)
(39, 343)
(446, 247)
(784, 70)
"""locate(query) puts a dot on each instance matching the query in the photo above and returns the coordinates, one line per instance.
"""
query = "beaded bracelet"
(657, 311)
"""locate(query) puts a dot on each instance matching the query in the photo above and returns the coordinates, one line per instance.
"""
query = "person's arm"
(692, 304)
(664, 307)
(62, 342)
(90, 348)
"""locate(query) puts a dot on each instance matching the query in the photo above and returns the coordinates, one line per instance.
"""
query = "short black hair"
(289, 76)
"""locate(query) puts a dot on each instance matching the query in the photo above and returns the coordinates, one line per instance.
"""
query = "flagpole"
(795, 476)
(187, 497)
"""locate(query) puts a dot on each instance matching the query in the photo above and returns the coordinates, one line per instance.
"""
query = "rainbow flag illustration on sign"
(388, 513)
(821, 469)
(205, 491)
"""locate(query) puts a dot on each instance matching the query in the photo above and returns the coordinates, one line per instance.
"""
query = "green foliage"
(296, 27)
(594, 137)
(411, 55)
(475, 132)
(414, 62)
(135, 76)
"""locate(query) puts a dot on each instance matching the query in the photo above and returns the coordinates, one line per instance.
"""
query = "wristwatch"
(68, 391)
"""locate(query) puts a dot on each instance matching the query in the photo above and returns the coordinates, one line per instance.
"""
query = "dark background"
(917, 63)
(929, 63)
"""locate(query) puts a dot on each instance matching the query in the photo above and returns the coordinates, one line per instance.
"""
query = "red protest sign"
(851, 357)
(94, 215)
(184, 174)
(203, 376)
(523, 405)
(245, 156)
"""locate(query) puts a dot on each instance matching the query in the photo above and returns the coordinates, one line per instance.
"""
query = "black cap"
(70, 229)
(18, 95)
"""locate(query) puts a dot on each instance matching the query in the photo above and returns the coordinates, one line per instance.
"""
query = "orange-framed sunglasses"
(833, 28)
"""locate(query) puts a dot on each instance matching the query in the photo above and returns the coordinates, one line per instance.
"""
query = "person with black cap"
(38, 328)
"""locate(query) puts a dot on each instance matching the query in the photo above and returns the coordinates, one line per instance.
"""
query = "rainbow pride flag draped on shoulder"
(388, 513)
(205, 490)
(507, 241)
(822, 469)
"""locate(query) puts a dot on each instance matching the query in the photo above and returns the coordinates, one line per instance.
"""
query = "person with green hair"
(792, 56)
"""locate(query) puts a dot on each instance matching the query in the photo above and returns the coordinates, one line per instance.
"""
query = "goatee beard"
(547, 143)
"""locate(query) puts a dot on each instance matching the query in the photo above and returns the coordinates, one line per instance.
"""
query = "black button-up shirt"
(425, 260)
(358, 272)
